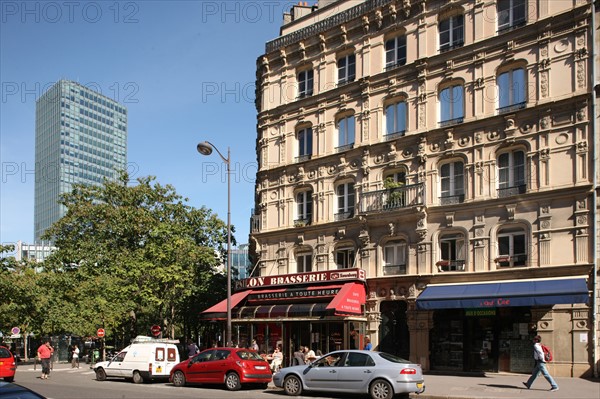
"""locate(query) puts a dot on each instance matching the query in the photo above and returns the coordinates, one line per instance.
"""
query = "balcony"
(392, 270)
(302, 222)
(394, 136)
(343, 216)
(451, 122)
(343, 148)
(394, 65)
(457, 265)
(511, 191)
(511, 260)
(303, 158)
(511, 108)
(448, 46)
(452, 199)
(392, 199)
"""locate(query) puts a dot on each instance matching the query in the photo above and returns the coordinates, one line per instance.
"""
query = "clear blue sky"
(184, 69)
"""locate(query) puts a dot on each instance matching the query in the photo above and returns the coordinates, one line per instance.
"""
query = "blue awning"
(495, 294)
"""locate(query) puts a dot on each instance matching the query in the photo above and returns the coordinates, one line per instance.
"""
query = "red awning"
(349, 300)
(221, 307)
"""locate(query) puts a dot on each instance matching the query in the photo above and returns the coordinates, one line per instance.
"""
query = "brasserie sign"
(301, 278)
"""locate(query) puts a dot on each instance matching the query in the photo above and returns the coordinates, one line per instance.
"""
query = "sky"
(185, 70)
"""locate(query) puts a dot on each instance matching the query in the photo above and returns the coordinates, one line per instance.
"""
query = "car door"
(197, 366)
(218, 366)
(115, 367)
(323, 373)
(356, 372)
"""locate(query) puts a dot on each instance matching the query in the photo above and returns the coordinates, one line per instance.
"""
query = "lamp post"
(206, 148)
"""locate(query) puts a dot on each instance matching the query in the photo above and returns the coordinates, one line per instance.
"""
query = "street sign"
(100, 333)
(155, 330)
(15, 330)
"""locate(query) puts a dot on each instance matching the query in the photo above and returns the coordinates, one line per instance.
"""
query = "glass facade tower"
(80, 137)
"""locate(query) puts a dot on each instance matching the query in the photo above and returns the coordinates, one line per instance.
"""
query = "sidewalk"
(501, 385)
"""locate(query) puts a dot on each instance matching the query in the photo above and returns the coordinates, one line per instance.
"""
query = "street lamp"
(206, 148)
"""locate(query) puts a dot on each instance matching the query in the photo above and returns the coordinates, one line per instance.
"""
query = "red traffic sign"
(155, 330)
(100, 333)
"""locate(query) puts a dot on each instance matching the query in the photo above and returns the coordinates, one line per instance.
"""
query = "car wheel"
(137, 377)
(292, 385)
(232, 382)
(381, 389)
(179, 379)
(9, 379)
(100, 375)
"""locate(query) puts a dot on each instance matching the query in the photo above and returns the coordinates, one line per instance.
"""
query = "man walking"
(45, 352)
(540, 366)
(75, 359)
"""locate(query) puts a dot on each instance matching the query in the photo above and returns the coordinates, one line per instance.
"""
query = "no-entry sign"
(100, 333)
(155, 330)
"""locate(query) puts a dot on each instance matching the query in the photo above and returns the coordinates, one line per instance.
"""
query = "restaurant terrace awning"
(315, 301)
(493, 294)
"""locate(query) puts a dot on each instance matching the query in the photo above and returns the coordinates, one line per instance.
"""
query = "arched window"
(452, 250)
(344, 257)
(512, 247)
(304, 262)
(304, 208)
(395, 120)
(395, 194)
(452, 183)
(346, 132)
(394, 257)
(511, 90)
(452, 108)
(345, 201)
(511, 173)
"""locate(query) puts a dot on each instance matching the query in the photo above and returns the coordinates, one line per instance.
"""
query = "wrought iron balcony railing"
(392, 270)
(452, 199)
(393, 198)
(510, 191)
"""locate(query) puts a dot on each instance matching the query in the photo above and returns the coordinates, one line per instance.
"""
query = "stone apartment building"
(443, 154)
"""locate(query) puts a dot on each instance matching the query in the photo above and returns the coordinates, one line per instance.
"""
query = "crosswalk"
(81, 370)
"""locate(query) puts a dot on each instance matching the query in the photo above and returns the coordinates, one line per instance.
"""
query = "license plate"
(261, 367)
(419, 385)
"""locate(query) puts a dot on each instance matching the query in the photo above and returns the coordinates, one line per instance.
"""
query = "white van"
(146, 359)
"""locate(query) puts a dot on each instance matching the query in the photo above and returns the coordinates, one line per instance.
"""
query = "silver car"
(379, 374)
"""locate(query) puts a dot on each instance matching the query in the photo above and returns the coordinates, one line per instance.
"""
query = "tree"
(132, 254)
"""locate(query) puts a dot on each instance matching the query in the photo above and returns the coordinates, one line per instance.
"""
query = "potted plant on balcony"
(441, 264)
(395, 195)
(503, 260)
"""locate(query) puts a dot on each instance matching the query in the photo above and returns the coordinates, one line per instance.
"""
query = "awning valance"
(492, 294)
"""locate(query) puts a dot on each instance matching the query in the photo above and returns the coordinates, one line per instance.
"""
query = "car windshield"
(249, 355)
(392, 358)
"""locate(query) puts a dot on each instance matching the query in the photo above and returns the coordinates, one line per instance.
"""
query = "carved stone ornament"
(449, 219)
(510, 209)
(392, 228)
(341, 233)
(379, 19)
(449, 142)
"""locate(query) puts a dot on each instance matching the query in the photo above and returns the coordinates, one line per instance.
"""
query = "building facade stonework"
(437, 143)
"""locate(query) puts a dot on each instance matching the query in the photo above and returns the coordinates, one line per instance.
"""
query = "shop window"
(345, 201)
(394, 258)
(344, 258)
(304, 206)
(511, 173)
(512, 247)
(452, 248)
(452, 183)
(451, 33)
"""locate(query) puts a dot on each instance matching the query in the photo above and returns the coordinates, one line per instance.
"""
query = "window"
(345, 201)
(394, 258)
(304, 144)
(511, 173)
(452, 183)
(452, 247)
(305, 83)
(451, 33)
(511, 247)
(395, 194)
(304, 262)
(344, 258)
(346, 69)
(395, 120)
(451, 105)
(345, 128)
(511, 90)
(511, 14)
(395, 52)
(303, 208)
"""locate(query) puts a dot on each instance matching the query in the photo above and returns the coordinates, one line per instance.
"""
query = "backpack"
(547, 353)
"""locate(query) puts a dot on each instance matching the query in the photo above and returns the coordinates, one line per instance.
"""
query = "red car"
(230, 366)
(8, 365)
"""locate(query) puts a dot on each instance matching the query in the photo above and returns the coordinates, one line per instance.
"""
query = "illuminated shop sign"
(301, 278)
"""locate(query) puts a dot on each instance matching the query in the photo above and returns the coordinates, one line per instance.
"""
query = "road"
(67, 383)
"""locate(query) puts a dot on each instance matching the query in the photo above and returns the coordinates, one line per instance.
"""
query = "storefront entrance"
(394, 336)
(494, 339)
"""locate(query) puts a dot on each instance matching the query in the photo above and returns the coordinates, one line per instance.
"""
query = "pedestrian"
(44, 353)
(368, 345)
(254, 345)
(298, 358)
(309, 356)
(192, 348)
(540, 366)
(75, 357)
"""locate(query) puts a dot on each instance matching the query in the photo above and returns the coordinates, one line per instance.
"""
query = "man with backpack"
(540, 365)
